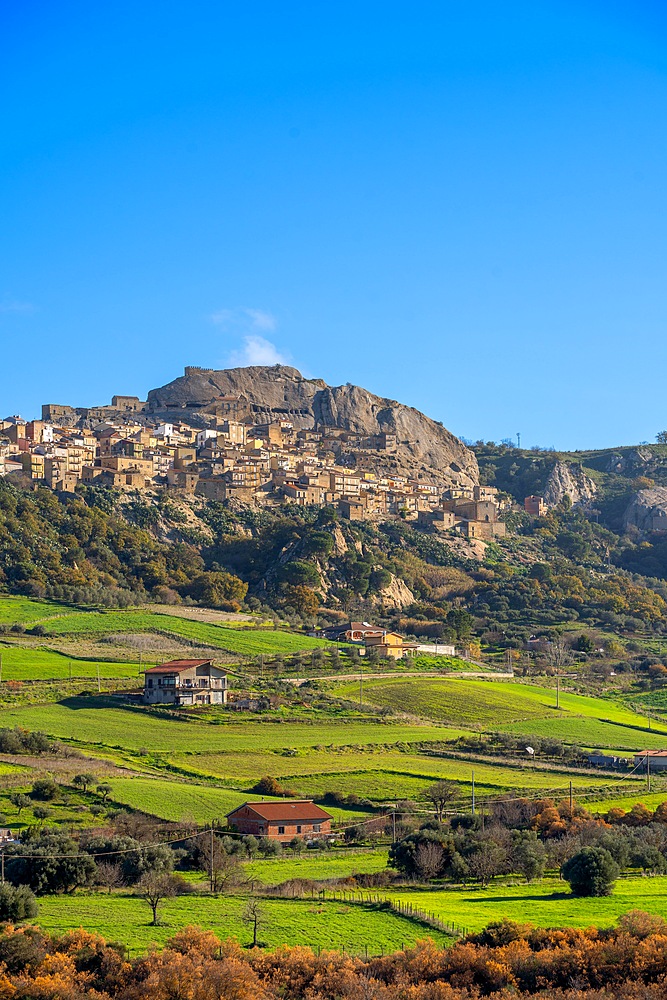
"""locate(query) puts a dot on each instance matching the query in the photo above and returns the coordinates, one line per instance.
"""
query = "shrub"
(591, 872)
(17, 902)
(44, 789)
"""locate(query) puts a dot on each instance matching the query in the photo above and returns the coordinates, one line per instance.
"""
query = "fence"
(362, 898)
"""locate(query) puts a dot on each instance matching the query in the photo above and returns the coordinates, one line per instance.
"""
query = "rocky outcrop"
(396, 595)
(647, 510)
(568, 480)
(282, 393)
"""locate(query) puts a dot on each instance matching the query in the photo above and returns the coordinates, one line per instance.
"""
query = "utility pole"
(99, 684)
(361, 690)
(518, 439)
(571, 803)
(473, 793)
(557, 690)
(648, 770)
(393, 827)
(211, 860)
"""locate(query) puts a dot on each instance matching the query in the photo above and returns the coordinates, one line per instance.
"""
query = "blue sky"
(459, 205)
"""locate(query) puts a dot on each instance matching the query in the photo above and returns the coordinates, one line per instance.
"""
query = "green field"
(233, 638)
(175, 800)
(100, 722)
(240, 637)
(548, 903)
(487, 704)
(24, 610)
(20, 663)
(125, 918)
(591, 733)
(338, 864)
(650, 799)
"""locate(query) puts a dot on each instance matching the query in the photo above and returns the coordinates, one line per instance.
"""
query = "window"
(281, 829)
(298, 829)
(317, 827)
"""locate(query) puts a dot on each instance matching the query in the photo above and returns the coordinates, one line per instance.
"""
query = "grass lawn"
(125, 918)
(334, 864)
(547, 904)
(20, 663)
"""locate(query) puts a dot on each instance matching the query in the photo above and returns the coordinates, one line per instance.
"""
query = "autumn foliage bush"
(628, 962)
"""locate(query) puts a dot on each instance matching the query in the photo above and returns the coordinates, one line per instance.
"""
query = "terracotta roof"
(176, 666)
(285, 810)
(651, 753)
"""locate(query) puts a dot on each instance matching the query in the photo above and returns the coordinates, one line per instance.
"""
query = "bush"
(44, 789)
(591, 872)
(17, 902)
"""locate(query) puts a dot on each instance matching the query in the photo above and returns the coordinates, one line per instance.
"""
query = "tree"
(17, 902)
(42, 812)
(49, 862)
(44, 789)
(110, 875)
(83, 780)
(20, 801)
(441, 794)
(486, 860)
(661, 437)
(429, 858)
(154, 887)
(218, 590)
(223, 869)
(404, 855)
(528, 854)
(253, 915)
(591, 872)
(104, 790)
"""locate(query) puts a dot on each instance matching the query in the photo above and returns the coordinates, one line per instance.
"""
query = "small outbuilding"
(655, 760)
(282, 820)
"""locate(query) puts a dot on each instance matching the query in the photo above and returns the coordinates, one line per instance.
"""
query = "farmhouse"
(185, 682)
(281, 820)
(390, 644)
(351, 632)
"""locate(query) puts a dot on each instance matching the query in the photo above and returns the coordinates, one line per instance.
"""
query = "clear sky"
(461, 205)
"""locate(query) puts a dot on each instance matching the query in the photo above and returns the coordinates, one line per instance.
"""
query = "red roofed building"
(185, 682)
(282, 820)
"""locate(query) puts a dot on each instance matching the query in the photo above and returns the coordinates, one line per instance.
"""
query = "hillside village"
(242, 454)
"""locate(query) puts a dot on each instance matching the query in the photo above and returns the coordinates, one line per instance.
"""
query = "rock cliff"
(648, 510)
(282, 393)
(568, 480)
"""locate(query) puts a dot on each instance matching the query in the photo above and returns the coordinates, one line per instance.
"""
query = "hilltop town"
(227, 446)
